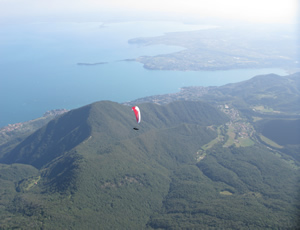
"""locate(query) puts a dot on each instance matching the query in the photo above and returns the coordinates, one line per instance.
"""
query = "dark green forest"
(219, 161)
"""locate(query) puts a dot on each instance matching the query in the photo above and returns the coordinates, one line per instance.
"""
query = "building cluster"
(11, 127)
(17, 126)
(239, 126)
(232, 113)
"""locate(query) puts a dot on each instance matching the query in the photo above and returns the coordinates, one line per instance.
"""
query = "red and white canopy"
(137, 113)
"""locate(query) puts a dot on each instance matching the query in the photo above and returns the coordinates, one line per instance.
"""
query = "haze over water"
(40, 71)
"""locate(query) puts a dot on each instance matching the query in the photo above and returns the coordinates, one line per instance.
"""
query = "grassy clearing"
(210, 144)
(231, 136)
(226, 193)
(200, 155)
(245, 142)
(31, 183)
(270, 142)
(214, 141)
(255, 119)
(264, 109)
(260, 96)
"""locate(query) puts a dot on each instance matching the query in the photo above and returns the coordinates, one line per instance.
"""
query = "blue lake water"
(39, 71)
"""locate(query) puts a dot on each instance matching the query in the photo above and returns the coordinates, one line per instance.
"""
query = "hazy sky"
(277, 11)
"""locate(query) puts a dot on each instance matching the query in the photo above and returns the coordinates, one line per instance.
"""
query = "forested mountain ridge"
(191, 164)
(271, 90)
(265, 107)
(58, 136)
(263, 110)
(281, 93)
(87, 152)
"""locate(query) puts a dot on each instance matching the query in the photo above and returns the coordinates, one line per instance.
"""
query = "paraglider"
(137, 114)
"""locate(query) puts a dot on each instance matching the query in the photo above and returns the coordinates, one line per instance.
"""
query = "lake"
(40, 71)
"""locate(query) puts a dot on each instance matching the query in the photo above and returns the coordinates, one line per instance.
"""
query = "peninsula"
(91, 64)
(224, 48)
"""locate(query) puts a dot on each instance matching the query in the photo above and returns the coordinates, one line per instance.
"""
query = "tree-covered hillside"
(263, 93)
(264, 117)
(231, 162)
(95, 170)
(231, 188)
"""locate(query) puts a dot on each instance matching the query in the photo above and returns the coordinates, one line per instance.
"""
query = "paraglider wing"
(137, 113)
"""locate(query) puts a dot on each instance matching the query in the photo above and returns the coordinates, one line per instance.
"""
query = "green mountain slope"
(254, 162)
(189, 166)
(14, 133)
(231, 189)
(281, 93)
(263, 93)
(58, 136)
(264, 108)
(95, 170)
